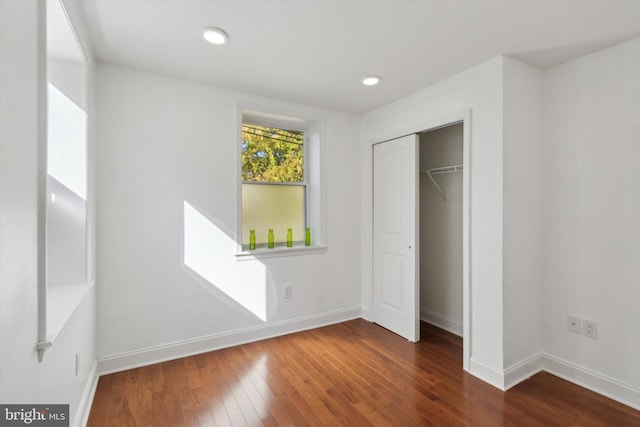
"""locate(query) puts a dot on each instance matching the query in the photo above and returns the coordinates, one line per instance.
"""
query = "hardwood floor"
(352, 374)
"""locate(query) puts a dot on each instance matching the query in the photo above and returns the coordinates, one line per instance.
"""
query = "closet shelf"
(439, 171)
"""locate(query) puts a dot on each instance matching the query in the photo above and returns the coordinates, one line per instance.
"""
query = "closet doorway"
(440, 230)
(441, 227)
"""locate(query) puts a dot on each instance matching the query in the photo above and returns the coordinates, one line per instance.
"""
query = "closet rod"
(441, 170)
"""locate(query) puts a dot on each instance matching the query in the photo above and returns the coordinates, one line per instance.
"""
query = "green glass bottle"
(289, 238)
(307, 237)
(270, 239)
(252, 239)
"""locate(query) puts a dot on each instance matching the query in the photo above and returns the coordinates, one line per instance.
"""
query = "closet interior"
(441, 172)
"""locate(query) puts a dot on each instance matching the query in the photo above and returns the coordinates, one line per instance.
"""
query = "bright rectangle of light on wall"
(208, 252)
(66, 144)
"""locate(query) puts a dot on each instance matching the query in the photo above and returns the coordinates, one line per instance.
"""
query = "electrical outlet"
(288, 292)
(574, 324)
(590, 329)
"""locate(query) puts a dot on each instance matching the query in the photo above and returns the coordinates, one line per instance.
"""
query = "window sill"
(279, 251)
(62, 302)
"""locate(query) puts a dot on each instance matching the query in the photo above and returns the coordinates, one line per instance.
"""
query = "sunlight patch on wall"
(67, 150)
(209, 252)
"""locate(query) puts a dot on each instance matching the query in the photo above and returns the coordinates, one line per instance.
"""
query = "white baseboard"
(147, 356)
(441, 321)
(601, 384)
(522, 370)
(84, 407)
(486, 373)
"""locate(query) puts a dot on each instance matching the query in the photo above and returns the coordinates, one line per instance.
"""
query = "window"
(281, 159)
(274, 188)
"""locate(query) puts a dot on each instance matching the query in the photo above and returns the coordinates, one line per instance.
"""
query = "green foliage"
(271, 154)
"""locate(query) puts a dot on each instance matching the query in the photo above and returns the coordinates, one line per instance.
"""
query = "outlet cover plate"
(288, 292)
(590, 328)
(574, 324)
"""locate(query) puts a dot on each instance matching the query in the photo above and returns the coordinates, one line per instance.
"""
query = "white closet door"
(395, 227)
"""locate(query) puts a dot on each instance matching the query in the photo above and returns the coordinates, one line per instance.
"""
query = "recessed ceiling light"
(371, 81)
(215, 35)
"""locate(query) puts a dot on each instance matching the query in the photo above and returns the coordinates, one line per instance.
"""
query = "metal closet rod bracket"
(439, 171)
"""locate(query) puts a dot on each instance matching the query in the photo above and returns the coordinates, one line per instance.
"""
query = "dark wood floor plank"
(360, 376)
(402, 379)
(349, 374)
(340, 390)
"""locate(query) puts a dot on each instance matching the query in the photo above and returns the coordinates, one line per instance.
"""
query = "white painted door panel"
(395, 227)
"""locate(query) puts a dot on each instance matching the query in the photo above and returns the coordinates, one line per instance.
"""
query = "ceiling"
(317, 52)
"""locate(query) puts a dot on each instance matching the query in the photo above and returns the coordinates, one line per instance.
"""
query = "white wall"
(22, 378)
(522, 274)
(591, 202)
(478, 89)
(164, 142)
(441, 230)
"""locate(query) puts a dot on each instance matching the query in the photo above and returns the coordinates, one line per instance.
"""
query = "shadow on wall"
(208, 251)
(66, 235)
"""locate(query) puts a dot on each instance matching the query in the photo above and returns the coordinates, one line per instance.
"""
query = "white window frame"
(313, 134)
